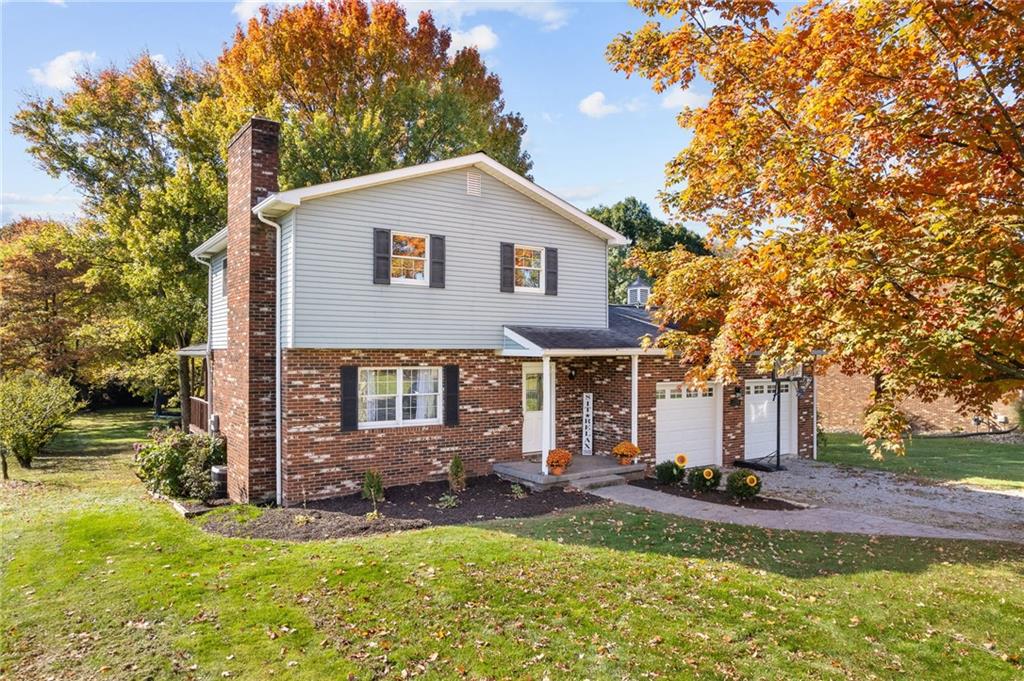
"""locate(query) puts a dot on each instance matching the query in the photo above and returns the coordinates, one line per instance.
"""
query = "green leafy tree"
(632, 218)
(33, 408)
(148, 162)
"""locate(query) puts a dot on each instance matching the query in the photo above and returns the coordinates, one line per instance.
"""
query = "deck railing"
(198, 414)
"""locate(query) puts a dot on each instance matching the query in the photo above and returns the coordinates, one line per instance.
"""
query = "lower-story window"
(401, 396)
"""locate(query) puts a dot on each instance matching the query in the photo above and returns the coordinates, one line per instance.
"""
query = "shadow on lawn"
(788, 553)
(103, 433)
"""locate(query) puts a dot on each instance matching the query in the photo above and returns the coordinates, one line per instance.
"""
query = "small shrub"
(33, 408)
(743, 484)
(668, 473)
(518, 492)
(704, 478)
(456, 475)
(374, 515)
(373, 487)
(302, 520)
(178, 464)
(447, 500)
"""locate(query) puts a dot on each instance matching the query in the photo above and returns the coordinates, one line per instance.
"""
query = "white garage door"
(689, 422)
(759, 429)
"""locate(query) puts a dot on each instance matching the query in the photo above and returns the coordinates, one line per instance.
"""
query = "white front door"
(760, 419)
(533, 405)
(689, 421)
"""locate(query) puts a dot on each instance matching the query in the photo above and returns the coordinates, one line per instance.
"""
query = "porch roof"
(627, 326)
(197, 350)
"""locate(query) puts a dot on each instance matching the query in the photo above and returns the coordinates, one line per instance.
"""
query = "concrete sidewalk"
(810, 520)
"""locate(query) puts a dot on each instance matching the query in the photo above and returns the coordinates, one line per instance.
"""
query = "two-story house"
(392, 321)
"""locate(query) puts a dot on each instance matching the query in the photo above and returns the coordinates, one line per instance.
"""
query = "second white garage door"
(689, 422)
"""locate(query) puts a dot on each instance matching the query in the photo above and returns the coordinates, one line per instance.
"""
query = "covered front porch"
(580, 393)
(197, 410)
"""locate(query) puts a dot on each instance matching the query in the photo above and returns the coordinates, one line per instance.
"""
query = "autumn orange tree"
(359, 91)
(860, 166)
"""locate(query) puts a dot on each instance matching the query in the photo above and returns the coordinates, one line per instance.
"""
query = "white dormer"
(638, 292)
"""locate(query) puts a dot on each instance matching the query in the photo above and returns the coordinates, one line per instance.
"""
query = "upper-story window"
(409, 258)
(529, 268)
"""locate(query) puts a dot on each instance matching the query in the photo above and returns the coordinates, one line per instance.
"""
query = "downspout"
(209, 340)
(277, 352)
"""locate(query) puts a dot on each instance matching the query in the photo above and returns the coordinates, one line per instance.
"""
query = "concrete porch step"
(583, 470)
(585, 484)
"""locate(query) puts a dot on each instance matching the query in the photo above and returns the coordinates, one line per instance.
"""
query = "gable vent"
(473, 183)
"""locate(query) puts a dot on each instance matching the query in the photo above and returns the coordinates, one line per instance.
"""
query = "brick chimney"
(247, 395)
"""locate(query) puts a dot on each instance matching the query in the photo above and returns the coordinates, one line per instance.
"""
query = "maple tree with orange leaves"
(860, 167)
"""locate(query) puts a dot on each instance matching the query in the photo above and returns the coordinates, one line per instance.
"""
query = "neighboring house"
(392, 321)
(842, 400)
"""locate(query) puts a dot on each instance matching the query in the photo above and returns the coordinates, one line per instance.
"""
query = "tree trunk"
(3, 464)
(184, 389)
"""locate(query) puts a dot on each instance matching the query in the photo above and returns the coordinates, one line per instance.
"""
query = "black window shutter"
(436, 261)
(451, 394)
(551, 271)
(224, 278)
(382, 256)
(349, 398)
(508, 268)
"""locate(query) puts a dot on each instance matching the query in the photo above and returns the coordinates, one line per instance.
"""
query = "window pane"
(414, 246)
(408, 268)
(528, 257)
(417, 407)
(378, 382)
(534, 392)
(527, 278)
(419, 381)
(373, 409)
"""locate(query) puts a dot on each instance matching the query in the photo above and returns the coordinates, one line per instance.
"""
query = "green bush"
(739, 484)
(373, 487)
(704, 478)
(668, 473)
(178, 464)
(447, 500)
(33, 408)
(456, 475)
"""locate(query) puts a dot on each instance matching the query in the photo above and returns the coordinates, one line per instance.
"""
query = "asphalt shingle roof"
(627, 325)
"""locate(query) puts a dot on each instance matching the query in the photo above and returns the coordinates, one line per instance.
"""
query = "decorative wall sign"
(588, 424)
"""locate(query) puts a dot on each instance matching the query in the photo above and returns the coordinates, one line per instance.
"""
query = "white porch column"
(634, 392)
(545, 428)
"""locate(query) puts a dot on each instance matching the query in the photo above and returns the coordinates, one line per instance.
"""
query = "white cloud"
(481, 37)
(550, 15)
(12, 199)
(678, 97)
(595, 105)
(59, 3)
(60, 71)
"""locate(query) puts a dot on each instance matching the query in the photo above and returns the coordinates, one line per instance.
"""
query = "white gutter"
(277, 353)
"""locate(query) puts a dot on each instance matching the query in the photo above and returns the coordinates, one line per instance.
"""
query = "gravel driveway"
(883, 494)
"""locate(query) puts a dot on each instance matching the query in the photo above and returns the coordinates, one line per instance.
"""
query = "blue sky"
(595, 136)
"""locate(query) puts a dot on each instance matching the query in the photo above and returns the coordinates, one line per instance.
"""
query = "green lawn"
(965, 460)
(100, 581)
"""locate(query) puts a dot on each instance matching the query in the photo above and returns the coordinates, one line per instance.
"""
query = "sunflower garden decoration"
(743, 484)
(704, 478)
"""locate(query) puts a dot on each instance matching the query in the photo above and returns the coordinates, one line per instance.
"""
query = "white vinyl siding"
(218, 304)
(285, 279)
(337, 305)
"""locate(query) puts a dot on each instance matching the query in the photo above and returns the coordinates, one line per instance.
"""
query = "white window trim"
(399, 422)
(426, 258)
(543, 267)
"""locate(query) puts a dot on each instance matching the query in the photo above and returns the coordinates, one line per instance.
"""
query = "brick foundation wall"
(320, 460)
(842, 400)
(244, 383)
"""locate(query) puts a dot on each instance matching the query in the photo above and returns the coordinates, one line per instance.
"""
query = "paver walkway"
(810, 520)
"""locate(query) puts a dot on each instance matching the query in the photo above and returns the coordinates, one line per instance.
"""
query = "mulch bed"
(405, 508)
(486, 498)
(296, 524)
(718, 496)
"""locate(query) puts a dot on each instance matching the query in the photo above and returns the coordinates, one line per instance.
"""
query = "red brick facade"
(320, 460)
(842, 400)
(244, 382)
